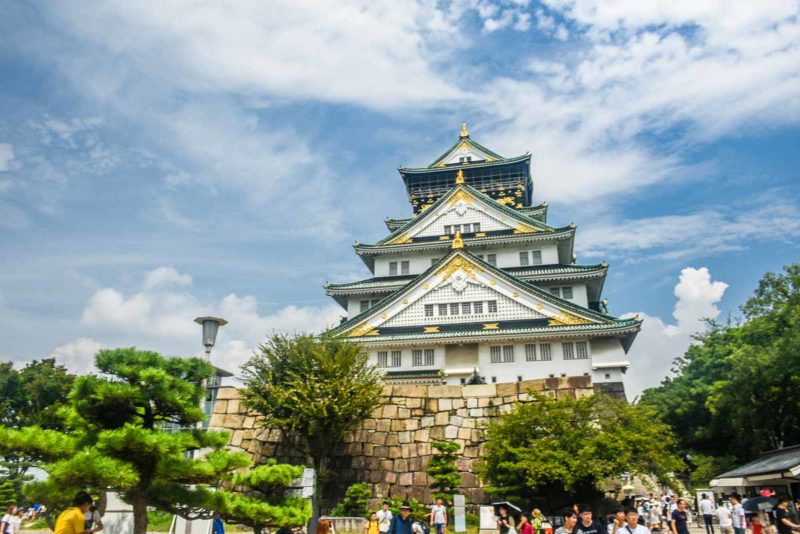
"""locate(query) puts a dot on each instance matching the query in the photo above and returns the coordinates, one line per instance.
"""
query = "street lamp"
(210, 327)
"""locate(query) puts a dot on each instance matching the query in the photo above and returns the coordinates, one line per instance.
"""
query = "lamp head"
(210, 328)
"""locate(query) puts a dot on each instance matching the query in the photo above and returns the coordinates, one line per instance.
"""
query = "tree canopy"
(736, 391)
(560, 449)
(315, 390)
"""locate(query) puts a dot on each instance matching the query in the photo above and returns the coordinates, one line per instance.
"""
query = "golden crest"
(458, 263)
(363, 330)
(431, 330)
(524, 229)
(491, 326)
(564, 319)
(461, 195)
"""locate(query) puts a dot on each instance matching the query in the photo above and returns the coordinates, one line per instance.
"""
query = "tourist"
(783, 523)
(439, 517)
(384, 518)
(587, 525)
(570, 520)
(217, 525)
(617, 521)
(655, 517)
(679, 518)
(92, 518)
(6, 526)
(707, 510)
(538, 521)
(632, 525)
(403, 523)
(755, 524)
(15, 522)
(739, 521)
(373, 525)
(505, 523)
(73, 519)
(324, 526)
(723, 514)
(525, 526)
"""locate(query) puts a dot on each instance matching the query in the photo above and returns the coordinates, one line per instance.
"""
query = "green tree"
(315, 390)
(736, 391)
(561, 449)
(133, 431)
(355, 502)
(443, 469)
(8, 494)
(31, 396)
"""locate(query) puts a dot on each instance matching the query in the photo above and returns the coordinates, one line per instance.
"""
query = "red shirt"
(757, 529)
(527, 528)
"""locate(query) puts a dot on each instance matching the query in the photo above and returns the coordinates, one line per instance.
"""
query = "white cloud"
(77, 356)
(161, 317)
(658, 344)
(6, 156)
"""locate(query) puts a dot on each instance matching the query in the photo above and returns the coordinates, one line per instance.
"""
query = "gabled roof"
(465, 142)
(776, 461)
(560, 316)
(424, 170)
(525, 224)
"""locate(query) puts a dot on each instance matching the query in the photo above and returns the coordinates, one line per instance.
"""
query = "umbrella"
(513, 511)
(756, 504)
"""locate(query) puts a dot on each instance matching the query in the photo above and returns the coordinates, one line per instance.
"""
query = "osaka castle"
(476, 287)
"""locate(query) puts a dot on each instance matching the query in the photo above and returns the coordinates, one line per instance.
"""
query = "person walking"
(73, 519)
(707, 510)
(538, 521)
(655, 517)
(679, 519)
(587, 525)
(739, 521)
(403, 523)
(724, 519)
(384, 518)
(92, 518)
(570, 520)
(505, 523)
(217, 524)
(632, 525)
(7, 521)
(617, 521)
(525, 526)
(373, 525)
(439, 517)
(783, 517)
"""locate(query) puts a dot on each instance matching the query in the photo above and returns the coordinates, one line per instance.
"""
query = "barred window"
(508, 353)
(364, 305)
(536, 257)
(428, 356)
(429, 310)
(404, 267)
(566, 292)
(478, 307)
(492, 305)
(466, 308)
(416, 357)
(442, 309)
(454, 308)
(476, 227)
(555, 291)
(397, 358)
(530, 352)
(383, 359)
(523, 258)
(495, 354)
(447, 229)
(569, 350)
(581, 350)
(491, 259)
(544, 352)
(392, 268)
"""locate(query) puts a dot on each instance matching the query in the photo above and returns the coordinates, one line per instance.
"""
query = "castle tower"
(475, 285)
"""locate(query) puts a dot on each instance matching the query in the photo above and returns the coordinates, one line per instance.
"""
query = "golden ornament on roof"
(457, 241)
(460, 176)
(464, 132)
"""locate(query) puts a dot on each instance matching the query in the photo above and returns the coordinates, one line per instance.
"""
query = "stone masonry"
(391, 449)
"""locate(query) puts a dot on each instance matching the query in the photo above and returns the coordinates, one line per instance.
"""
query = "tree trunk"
(139, 504)
(321, 475)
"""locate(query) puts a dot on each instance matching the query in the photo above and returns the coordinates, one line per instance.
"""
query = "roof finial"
(460, 176)
(458, 243)
(464, 132)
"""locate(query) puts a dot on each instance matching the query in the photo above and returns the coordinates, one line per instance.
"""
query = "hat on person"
(406, 506)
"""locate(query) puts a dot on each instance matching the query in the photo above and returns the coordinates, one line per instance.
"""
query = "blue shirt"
(401, 526)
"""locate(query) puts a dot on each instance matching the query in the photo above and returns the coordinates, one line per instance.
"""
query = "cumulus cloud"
(160, 316)
(658, 344)
(78, 355)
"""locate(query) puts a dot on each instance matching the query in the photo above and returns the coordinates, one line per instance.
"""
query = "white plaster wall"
(579, 294)
(472, 213)
(407, 359)
(607, 350)
(418, 263)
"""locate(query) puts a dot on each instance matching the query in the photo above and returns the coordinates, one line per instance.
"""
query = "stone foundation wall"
(392, 448)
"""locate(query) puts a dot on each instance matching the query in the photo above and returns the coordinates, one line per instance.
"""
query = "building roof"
(777, 461)
(538, 212)
(600, 322)
(465, 139)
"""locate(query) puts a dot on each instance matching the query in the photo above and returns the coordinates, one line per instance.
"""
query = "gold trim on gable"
(461, 195)
(401, 240)
(431, 330)
(565, 319)
(458, 263)
(363, 330)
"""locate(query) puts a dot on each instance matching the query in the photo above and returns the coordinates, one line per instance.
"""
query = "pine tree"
(8, 494)
(442, 467)
(355, 502)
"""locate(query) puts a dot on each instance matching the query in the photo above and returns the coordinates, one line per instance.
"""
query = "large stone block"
(476, 412)
(236, 439)
(383, 425)
(508, 388)
(392, 439)
(410, 391)
(565, 394)
(464, 433)
(450, 432)
(443, 392)
(401, 465)
(404, 437)
(422, 435)
(217, 420)
(441, 418)
(414, 403)
(431, 405)
(233, 420)
(403, 413)
(406, 479)
(221, 406)
(480, 390)
(445, 404)
(472, 403)
(249, 421)
(390, 411)
(395, 452)
(369, 424)
(459, 403)
(484, 402)
(227, 393)
(412, 424)
(578, 382)
(233, 406)
(398, 425)
(426, 421)
(532, 385)
(387, 391)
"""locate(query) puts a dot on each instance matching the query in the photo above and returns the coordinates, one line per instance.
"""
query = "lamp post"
(210, 328)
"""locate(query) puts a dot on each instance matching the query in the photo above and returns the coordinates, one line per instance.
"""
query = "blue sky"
(163, 160)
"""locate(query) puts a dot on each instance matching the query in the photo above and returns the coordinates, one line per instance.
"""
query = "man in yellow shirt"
(72, 520)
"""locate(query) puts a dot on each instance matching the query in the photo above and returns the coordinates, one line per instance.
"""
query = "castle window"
(555, 291)
(428, 356)
(494, 380)
(536, 257)
(392, 268)
(492, 304)
(478, 307)
(404, 267)
(364, 305)
(442, 309)
(491, 259)
(544, 353)
(581, 350)
(569, 350)
(523, 258)
(454, 307)
(476, 227)
(495, 354)
(416, 357)
(397, 358)
(508, 353)
(504, 354)
(448, 229)
(429, 310)
(383, 359)
(466, 308)
(480, 256)
(530, 352)
(566, 292)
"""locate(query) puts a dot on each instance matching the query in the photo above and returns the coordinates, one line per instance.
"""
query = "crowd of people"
(14, 517)
(384, 522)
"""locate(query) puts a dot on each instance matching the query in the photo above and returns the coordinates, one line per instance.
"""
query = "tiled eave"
(404, 171)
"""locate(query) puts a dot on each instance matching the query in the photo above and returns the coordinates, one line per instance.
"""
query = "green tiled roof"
(416, 373)
(775, 461)
(469, 141)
